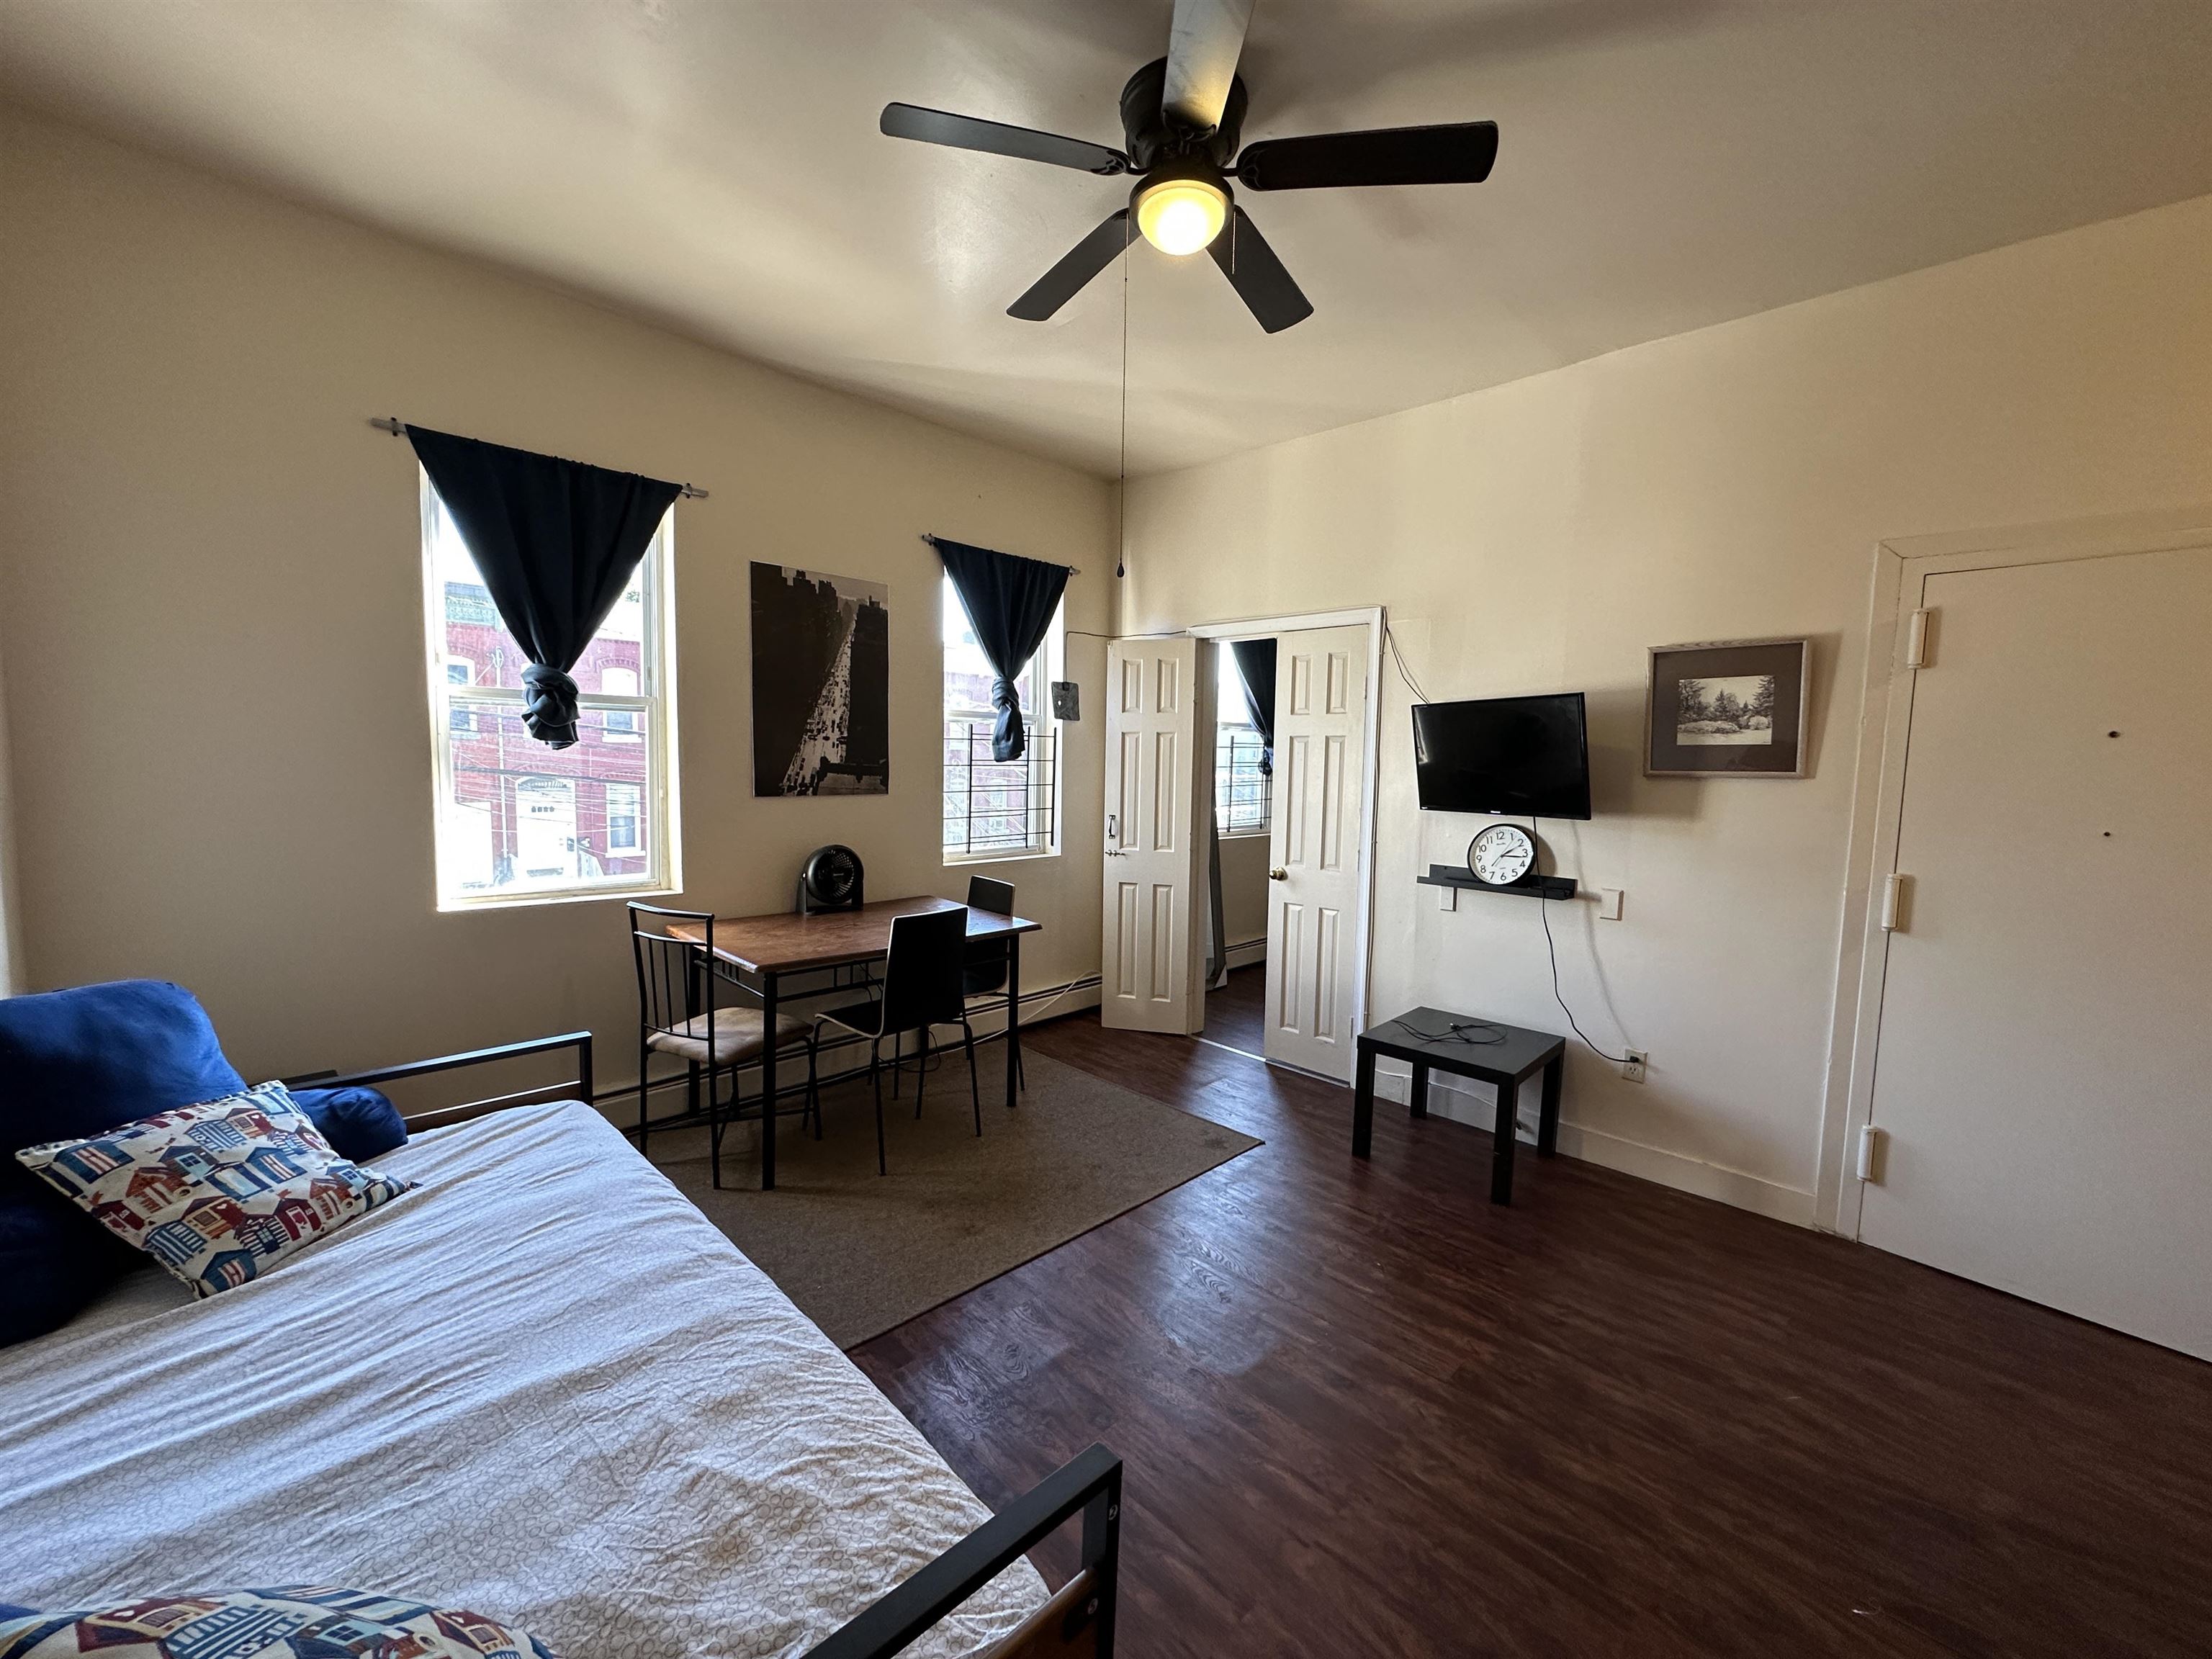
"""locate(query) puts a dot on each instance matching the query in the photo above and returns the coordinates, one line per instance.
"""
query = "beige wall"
(1728, 483)
(210, 608)
(11, 950)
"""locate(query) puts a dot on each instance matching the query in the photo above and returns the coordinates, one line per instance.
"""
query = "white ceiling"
(714, 164)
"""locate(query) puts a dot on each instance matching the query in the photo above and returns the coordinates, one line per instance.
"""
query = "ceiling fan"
(1182, 116)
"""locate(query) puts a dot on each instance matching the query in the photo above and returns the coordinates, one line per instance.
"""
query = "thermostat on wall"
(1067, 705)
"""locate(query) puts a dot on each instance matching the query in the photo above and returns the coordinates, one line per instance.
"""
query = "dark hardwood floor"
(1235, 1014)
(1363, 1411)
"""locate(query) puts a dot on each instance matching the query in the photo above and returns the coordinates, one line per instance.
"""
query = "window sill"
(961, 859)
(520, 900)
(1246, 834)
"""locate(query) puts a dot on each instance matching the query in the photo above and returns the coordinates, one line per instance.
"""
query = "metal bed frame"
(1078, 1621)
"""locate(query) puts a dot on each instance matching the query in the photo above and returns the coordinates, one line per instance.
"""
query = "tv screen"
(1526, 756)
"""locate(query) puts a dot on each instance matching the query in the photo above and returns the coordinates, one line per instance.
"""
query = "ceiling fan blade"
(1461, 154)
(1203, 43)
(935, 126)
(1257, 275)
(1081, 263)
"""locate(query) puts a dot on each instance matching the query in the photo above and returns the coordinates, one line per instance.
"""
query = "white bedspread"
(541, 1385)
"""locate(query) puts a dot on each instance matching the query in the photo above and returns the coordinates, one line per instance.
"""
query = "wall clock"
(1501, 855)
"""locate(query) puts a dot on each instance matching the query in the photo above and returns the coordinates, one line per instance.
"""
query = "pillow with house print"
(304, 1621)
(218, 1194)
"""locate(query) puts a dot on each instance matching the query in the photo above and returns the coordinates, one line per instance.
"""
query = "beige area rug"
(861, 1252)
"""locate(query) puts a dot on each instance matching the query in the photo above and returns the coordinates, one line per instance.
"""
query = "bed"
(541, 1385)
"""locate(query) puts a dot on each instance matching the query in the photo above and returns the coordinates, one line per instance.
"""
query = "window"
(621, 723)
(1241, 792)
(994, 811)
(518, 822)
(460, 672)
(622, 818)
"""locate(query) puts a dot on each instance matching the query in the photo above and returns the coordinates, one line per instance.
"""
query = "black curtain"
(557, 541)
(1010, 602)
(1255, 672)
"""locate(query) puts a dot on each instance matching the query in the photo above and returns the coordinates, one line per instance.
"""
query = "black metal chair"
(681, 1014)
(923, 973)
(984, 979)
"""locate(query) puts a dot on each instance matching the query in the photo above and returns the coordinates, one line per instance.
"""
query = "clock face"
(1502, 854)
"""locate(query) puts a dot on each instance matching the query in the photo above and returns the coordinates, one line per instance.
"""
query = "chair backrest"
(986, 957)
(922, 971)
(996, 896)
(672, 975)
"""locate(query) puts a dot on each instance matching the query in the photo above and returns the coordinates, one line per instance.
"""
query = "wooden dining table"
(769, 948)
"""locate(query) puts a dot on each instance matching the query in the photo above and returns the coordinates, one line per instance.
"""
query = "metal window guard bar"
(1033, 779)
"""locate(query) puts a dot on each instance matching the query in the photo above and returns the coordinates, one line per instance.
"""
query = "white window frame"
(1229, 695)
(1043, 757)
(1238, 729)
(658, 796)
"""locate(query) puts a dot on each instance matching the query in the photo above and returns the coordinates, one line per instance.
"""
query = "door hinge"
(1869, 1150)
(1893, 902)
(1915, 639)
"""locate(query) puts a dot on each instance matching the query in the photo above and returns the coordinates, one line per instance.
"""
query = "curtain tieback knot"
(1008, 741)
(550, 712)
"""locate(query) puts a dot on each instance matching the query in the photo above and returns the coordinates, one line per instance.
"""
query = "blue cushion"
(54, 1260)
(72, 1064)
(359, 1123)
(10, 1610)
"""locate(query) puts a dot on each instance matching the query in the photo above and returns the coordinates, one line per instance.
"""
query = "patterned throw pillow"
(217, 1194)
(297, 1622)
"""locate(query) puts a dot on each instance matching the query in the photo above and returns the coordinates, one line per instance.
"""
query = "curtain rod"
(1072, 570)
(399, 430)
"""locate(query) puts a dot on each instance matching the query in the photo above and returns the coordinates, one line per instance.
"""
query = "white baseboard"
(1250, 952)
(1473, 1103)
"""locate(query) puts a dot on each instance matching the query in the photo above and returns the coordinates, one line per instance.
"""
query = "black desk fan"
(830, 879)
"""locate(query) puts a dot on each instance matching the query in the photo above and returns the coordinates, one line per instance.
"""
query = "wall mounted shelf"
(1456, 875)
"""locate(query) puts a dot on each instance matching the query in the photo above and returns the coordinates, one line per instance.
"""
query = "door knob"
(1279, 874)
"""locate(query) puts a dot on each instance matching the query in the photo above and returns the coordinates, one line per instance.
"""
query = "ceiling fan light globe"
(1181, 216)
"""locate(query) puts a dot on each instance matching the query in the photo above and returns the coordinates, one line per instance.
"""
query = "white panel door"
(1151, 970)
(1316, 885)
(2043, 1078)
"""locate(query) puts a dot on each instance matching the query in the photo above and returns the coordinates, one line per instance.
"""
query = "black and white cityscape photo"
(822, 668)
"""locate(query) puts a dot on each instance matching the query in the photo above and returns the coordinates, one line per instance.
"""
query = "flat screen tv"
(1525, 756)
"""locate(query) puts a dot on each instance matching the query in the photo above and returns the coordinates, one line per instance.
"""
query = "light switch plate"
(1608, 904)
(1447, 898)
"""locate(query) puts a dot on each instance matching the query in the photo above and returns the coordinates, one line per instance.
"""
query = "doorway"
(2033, 1075)
(1291, 793)
(1160, 798)
(1243, 821)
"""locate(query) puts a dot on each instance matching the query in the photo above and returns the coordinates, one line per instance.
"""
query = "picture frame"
(821, 648)
(1736, 709)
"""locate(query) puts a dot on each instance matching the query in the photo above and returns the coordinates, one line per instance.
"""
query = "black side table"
(1425, 1040)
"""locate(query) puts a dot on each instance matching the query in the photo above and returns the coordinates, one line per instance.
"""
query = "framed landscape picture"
(1727, 709)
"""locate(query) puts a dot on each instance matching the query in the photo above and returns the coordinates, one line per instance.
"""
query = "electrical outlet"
(1632, 1068)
